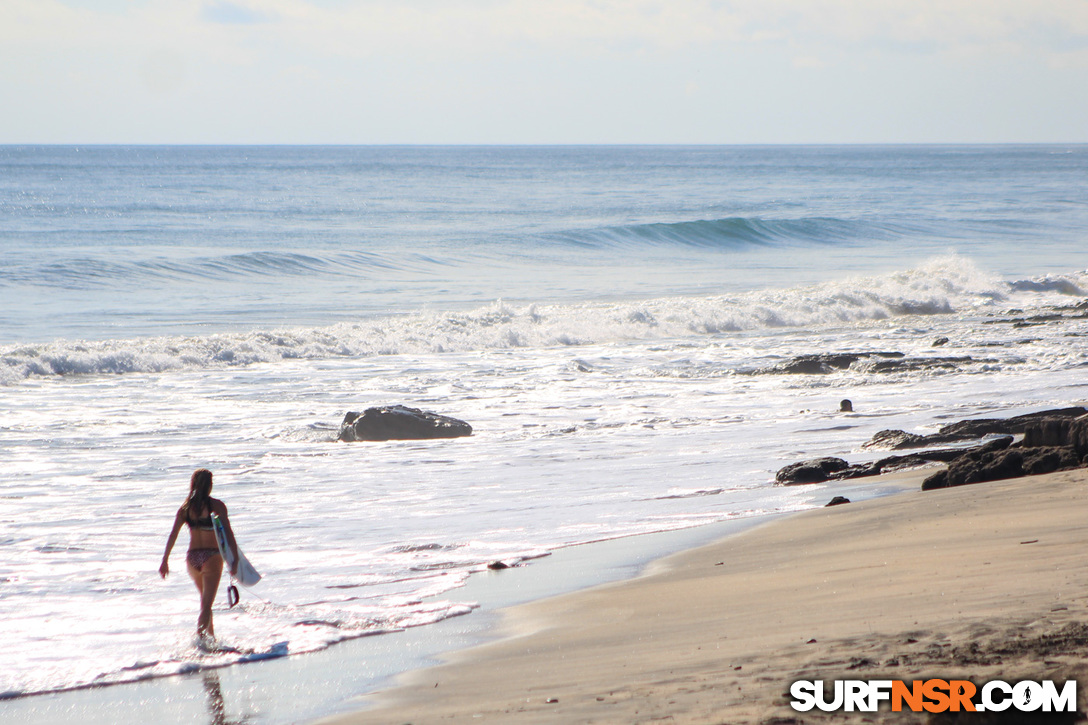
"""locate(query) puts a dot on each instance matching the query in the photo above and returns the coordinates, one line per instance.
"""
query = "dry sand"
(977, 582)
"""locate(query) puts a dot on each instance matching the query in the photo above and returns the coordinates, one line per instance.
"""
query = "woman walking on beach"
(204, 561)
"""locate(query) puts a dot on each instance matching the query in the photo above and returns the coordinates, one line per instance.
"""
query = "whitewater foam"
(940, 287)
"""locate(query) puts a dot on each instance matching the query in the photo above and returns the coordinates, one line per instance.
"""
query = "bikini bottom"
(197, 558)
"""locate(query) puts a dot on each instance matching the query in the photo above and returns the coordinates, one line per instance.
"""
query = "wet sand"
(977, 582)
(305, 687)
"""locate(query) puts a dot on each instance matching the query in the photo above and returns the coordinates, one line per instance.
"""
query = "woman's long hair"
(200, 490)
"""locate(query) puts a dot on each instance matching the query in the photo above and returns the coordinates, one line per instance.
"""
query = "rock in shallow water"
(815, 471)
(397, 422)
(824, 363)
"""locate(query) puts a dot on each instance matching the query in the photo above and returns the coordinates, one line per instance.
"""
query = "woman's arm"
(164, 568)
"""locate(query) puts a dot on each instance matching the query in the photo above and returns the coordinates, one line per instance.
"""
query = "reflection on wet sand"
(217, 708)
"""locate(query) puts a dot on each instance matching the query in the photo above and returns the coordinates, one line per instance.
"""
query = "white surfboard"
(247, 576)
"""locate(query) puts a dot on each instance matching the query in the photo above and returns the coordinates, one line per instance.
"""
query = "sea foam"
(941, 286)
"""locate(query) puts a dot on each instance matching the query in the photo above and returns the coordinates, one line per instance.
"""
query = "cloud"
(228, 13)
(163, 70)
(917, 24)
(363, 28)
(808, 61)
(354, 69)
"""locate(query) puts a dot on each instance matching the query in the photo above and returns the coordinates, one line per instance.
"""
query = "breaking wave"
(943, 286)
(89, 272)
(733, 232)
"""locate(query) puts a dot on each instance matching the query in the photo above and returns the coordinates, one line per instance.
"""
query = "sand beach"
(980, 582)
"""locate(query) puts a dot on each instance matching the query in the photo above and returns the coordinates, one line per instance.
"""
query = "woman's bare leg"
(197, 578)
(207, 583)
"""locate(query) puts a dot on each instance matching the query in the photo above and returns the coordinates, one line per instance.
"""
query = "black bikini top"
(205, 524)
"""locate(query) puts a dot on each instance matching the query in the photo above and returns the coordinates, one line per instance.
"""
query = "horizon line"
(218, 144)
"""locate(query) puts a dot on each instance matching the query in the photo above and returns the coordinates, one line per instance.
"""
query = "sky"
(543, 71)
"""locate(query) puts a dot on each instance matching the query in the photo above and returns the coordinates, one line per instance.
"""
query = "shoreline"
(332, 681)
(306, 686)
(965, 582)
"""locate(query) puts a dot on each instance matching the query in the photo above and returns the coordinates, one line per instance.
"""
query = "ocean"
(614, 322)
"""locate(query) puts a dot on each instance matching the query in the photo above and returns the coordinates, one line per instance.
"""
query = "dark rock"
(935, 481)
(966, 430)
(816, 364)
(826, 362)
(845, 406)
(911, 460)
(837, 501)
(993, 467)
(920, 458)
(976, 467)
(1079, 439)
(1053, 440)
(940, 341)
(995, 444)
(397, 422)
(895, 440)
(1059, 432)
(918, 363)
(914, 460)
(985, 426)
(858, 470)
(498, 565)
(997, 460)
(898, 440)
(1048, 432)
(1048, 460)
(814, 471)
(1037, 320)
(827, 469)
(873, 362)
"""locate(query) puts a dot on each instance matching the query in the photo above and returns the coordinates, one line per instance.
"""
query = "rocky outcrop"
(397, 422)
(1057, 314)
(827, 362)
(966, 430)
(835, 469)
(1058, 432)
(1049, 444)
(1053, 440)
(1007, 426)
(873, 362)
